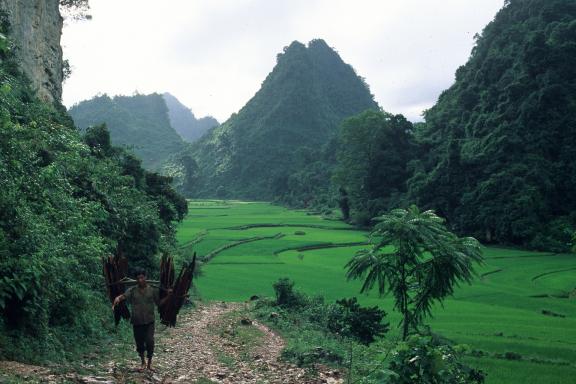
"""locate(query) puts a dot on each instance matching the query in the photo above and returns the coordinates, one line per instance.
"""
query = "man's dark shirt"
(142, 301)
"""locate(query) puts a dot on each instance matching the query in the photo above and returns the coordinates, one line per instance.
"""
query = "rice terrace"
(515, 317)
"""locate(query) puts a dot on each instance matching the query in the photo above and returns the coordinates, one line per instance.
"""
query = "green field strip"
(552, 272)
(490, 272)
(313, 247)
(216, 251)
(525, 256)
(527, 350)
(267, 225)
(508, 371)
(208, 207)
(206, 215)
(198, 238)
(245, 263)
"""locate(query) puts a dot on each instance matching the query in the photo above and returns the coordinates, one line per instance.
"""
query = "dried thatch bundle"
(115, 269)
(166, 275)
(169, 310)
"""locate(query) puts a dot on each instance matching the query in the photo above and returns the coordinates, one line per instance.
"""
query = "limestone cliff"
(36, 27)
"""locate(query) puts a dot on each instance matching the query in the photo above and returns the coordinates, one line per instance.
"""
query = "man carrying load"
(143, 298)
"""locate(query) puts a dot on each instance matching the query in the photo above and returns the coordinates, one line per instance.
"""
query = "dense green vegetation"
(296, 111)
(515, 317)
(499, 145)
(184, 122)
(140, 122)
(65, 202)
(373, 152)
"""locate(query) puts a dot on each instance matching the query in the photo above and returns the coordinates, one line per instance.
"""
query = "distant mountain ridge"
(299, 106)
(139, 122)
(184, 122)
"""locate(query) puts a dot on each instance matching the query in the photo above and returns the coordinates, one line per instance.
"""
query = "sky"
(213, 55)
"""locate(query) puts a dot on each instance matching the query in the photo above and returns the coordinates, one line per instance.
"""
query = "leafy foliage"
(425, 360)
(345, 318)
(499, 144)
(64, 203)
(416, 258)
(361, 323)
(285, 294)
(373, 154)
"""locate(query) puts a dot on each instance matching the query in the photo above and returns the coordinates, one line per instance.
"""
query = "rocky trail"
(213, 343)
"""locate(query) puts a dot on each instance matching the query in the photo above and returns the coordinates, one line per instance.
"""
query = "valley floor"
(517, 317)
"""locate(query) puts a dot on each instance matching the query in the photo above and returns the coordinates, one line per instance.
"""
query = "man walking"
(143, 298)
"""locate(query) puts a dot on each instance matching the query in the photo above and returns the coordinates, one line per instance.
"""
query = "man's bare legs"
(143, 363)
(149, 365)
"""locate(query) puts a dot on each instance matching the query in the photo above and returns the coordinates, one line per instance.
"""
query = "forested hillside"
(139, 122)
(184, 122)
(297, 110)
(499, 146)
(66, 201)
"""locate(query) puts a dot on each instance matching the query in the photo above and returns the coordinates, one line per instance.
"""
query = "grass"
(502, 311)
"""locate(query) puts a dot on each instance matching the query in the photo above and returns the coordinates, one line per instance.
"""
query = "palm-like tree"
(418, 259)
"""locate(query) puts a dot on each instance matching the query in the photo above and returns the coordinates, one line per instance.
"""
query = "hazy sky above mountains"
(214, 54)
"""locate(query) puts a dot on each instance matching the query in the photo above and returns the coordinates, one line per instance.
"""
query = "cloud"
(214, 55)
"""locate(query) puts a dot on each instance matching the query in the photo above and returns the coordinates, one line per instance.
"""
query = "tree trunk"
(405, 314)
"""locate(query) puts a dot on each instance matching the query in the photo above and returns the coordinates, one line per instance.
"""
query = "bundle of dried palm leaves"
(166, 275)
(170, 308)
(115, 269)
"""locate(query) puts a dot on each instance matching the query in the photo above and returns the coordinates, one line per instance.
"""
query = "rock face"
(36, 27)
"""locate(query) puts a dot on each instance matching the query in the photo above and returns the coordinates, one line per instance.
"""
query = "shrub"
(362, 218)
(285, 294)
(310, 324)
(345, 318)
(555, 236)
(426, 360)
(361, 323)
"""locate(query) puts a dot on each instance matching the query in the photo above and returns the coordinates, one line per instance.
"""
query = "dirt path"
(212, 344)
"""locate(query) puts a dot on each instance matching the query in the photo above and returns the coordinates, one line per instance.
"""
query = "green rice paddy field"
(517, 312)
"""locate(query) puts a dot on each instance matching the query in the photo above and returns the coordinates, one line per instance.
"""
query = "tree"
(374, 150)
(344, 204)
(418, 259)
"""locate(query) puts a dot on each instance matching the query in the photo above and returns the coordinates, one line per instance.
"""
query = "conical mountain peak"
(300, 105)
